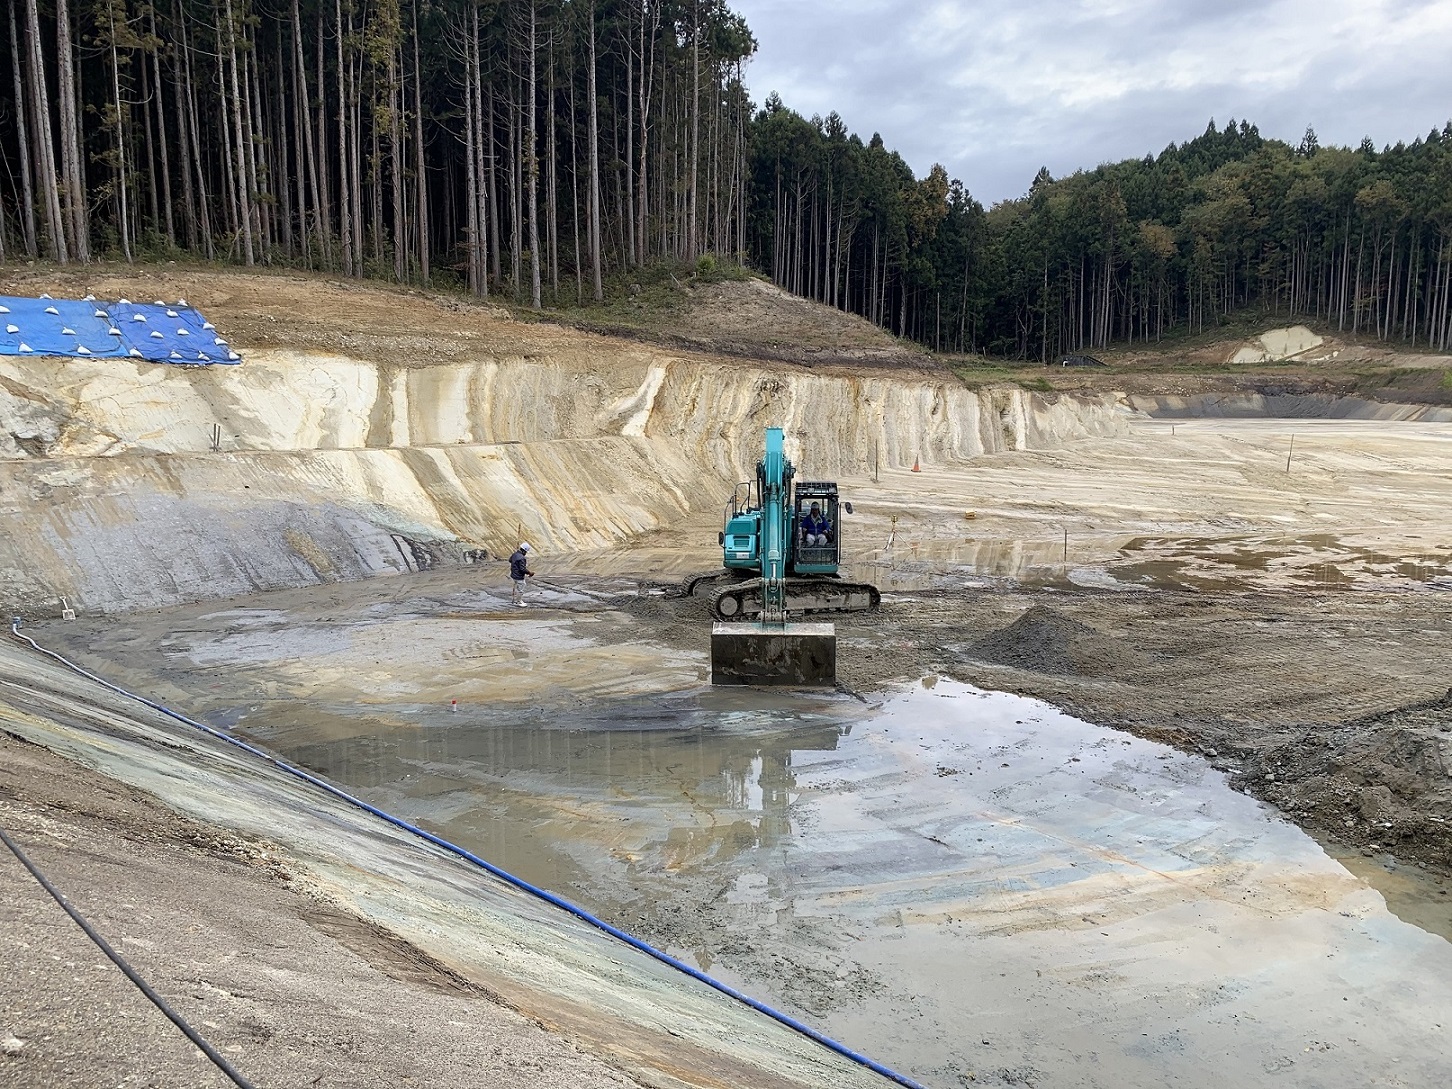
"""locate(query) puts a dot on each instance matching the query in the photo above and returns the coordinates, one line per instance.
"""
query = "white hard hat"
(524, 546)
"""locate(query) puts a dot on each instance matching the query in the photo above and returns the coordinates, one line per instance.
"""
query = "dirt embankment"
(755, 319)
(1265, 358)
(405, 327)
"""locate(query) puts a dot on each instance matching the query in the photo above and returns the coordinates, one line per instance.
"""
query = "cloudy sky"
(994, 89)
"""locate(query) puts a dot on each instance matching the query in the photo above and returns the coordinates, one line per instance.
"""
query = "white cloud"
(995, 90)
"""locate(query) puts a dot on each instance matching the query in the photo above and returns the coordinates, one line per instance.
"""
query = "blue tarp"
(154, 332)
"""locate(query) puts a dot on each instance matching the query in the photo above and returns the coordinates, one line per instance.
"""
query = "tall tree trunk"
(421, 180)
(55, 219)
(344, 146)
(27, 185)
(309, 153)
(552, 179)
(202, 216)
(395, 141)
(594, 140)
(515, 120)
(375, 176)
(691, 233)
(575, 196)
(148, 136)
(156, 90)
(241, 175)
(471, 174)
(355, 149)
(72, 167)
(257, 151)
(301, 151)
(277, 164)
(324, 183)
(488, 228)
(648, 35)
(630, 247)
(123, 216)
(491, 179)
(532, 160)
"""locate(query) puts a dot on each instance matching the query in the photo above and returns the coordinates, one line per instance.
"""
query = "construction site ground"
(1254, 604)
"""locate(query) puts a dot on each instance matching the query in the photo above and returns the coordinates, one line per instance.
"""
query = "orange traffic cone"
(916, 467)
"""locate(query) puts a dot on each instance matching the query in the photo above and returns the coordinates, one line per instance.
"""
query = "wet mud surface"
(977, 888)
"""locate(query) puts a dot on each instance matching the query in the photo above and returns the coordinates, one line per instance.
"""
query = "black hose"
(130, 973)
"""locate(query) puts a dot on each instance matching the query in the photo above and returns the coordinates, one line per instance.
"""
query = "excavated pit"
(915, 872)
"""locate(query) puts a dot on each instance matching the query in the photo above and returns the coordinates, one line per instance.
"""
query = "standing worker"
(519, 571)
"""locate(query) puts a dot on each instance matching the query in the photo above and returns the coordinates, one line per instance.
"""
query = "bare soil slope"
(405, 326)
(756, 319)
(292, 991)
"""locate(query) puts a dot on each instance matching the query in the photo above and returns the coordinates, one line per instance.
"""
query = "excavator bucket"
(785, 654)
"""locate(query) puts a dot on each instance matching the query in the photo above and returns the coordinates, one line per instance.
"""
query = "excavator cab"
(810, 555)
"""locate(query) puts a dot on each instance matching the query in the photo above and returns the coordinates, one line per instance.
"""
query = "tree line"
(1126, 253)
(524, 146)
(536, 147)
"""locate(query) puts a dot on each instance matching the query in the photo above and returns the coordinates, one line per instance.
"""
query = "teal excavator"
(772, 569)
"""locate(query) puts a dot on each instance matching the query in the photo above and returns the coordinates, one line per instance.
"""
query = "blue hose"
(519, 883)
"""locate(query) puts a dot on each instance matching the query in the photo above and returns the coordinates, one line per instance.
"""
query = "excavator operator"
(816, 530)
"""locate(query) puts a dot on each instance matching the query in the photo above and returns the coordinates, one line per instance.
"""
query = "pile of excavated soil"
(1383, 781)
(758, 319)
(1044, 640)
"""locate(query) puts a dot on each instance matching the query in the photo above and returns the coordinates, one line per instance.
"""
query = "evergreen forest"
(540, 150)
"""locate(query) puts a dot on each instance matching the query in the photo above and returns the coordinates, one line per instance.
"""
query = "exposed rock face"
(328, 467)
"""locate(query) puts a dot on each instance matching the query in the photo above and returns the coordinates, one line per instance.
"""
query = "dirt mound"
(760, 315)
(749, 318)
(1382, 782)
(1044, 640)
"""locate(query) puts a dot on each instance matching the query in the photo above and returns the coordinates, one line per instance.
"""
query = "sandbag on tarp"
(47, 326)
(155, 332)
(170, 334)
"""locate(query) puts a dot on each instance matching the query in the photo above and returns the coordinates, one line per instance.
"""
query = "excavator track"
(804, 597)
(705, 584)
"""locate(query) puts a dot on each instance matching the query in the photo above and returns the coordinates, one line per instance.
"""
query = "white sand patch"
(1288, 343)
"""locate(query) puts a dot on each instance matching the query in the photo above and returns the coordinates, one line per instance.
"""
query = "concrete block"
(796, 654)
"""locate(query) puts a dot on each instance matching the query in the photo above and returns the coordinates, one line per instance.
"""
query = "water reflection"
(950, 867)
(688, 781)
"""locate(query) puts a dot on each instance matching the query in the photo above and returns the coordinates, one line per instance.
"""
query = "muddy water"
(970, 886)
(1412, 894)
(653, 1022)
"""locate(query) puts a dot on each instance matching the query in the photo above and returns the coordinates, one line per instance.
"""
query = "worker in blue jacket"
(518, 572)
(816, 530)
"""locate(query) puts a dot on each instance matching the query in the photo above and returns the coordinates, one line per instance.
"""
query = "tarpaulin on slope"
(154, 332)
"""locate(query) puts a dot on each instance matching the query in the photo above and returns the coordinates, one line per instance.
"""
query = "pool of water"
(968, 885)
